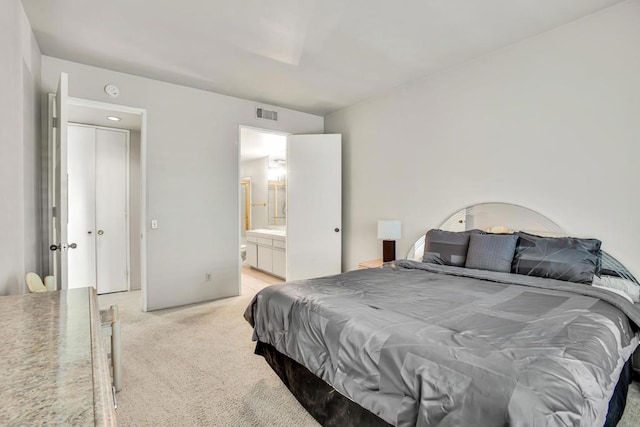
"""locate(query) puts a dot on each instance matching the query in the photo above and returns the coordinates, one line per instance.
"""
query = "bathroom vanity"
(267, 251)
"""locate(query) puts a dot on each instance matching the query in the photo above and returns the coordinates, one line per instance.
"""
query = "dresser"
(54, 362)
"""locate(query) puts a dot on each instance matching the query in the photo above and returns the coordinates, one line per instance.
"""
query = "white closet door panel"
(314, 206)
(81, 149)
(111, 215)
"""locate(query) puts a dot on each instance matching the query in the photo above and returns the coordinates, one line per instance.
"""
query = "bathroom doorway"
(263, 207)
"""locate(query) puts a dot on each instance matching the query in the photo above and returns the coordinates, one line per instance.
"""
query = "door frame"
(127, 195)
(246, 182)
(240, 178)
(143, 178)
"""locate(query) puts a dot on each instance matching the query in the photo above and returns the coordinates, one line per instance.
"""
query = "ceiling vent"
(261, 113)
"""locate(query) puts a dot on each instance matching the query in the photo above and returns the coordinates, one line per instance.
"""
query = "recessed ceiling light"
(114, 118)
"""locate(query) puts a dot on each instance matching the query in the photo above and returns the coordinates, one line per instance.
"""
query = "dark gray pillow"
(493, 252)
(561, 258)
(447, 247)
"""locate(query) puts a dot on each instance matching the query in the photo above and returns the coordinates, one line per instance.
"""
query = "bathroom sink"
(281, 233)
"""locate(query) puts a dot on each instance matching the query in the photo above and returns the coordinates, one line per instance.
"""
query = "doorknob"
(100, 232)
(62, 247)
(336, 229)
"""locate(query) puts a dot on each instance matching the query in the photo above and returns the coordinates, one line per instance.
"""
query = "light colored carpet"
(194, 366)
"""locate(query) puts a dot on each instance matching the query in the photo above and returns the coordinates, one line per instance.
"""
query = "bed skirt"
(322, 401)
(331, 409)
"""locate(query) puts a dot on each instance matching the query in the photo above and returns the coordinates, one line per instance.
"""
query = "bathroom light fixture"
(114, 118)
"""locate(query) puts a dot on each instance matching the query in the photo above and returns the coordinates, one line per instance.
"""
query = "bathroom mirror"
(277, 191)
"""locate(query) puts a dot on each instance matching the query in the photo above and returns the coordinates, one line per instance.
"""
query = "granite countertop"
(51, 356)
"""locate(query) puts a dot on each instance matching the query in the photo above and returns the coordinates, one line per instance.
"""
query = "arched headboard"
(505, 218)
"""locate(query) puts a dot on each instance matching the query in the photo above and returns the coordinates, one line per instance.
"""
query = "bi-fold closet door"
(98, 204)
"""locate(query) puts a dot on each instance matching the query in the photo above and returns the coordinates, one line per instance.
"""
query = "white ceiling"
(255, 144)
(98, 117)
(316, 56)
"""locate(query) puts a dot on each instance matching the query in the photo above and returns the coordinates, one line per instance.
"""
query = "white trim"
(239, 200)
(50, 196)
(262, 130)
(143, 211)
(128, 212)
(81, 102)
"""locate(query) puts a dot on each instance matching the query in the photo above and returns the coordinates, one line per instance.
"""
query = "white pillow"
(615, 291)
(627, 286)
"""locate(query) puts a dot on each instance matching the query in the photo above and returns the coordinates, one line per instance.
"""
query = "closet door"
(81, 161)
(111, 211)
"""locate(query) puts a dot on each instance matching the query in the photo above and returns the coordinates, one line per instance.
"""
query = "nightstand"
(374, 263)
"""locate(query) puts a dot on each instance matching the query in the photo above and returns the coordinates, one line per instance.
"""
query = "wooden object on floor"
(374, 263)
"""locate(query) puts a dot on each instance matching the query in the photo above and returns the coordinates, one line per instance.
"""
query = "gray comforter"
(430, 345)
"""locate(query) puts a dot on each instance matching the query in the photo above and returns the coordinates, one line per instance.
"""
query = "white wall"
(21, 242)
(257, 170)
(192, 176)
(552, 123)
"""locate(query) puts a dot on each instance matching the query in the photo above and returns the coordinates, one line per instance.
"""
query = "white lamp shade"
(389, 230)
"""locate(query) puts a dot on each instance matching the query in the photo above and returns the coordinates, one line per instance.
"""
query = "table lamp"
(389, 232)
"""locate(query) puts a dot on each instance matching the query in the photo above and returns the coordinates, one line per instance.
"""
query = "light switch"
(154, 224)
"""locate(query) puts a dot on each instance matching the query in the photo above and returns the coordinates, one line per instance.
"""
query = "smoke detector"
(112, 91)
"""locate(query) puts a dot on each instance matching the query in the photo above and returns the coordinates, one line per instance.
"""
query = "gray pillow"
(561, 258)
(447, 247)
(493, 252)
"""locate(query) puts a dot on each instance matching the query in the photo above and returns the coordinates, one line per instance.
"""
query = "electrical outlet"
(208, 277)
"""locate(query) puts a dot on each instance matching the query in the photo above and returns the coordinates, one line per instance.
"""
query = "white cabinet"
(279, 262)
(265, 258)
(266, 251)
(252, 254)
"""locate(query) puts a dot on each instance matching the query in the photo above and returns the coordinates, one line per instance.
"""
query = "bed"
(439, 344)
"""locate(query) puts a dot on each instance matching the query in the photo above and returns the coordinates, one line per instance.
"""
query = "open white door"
(61, 183)
(314, 206)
